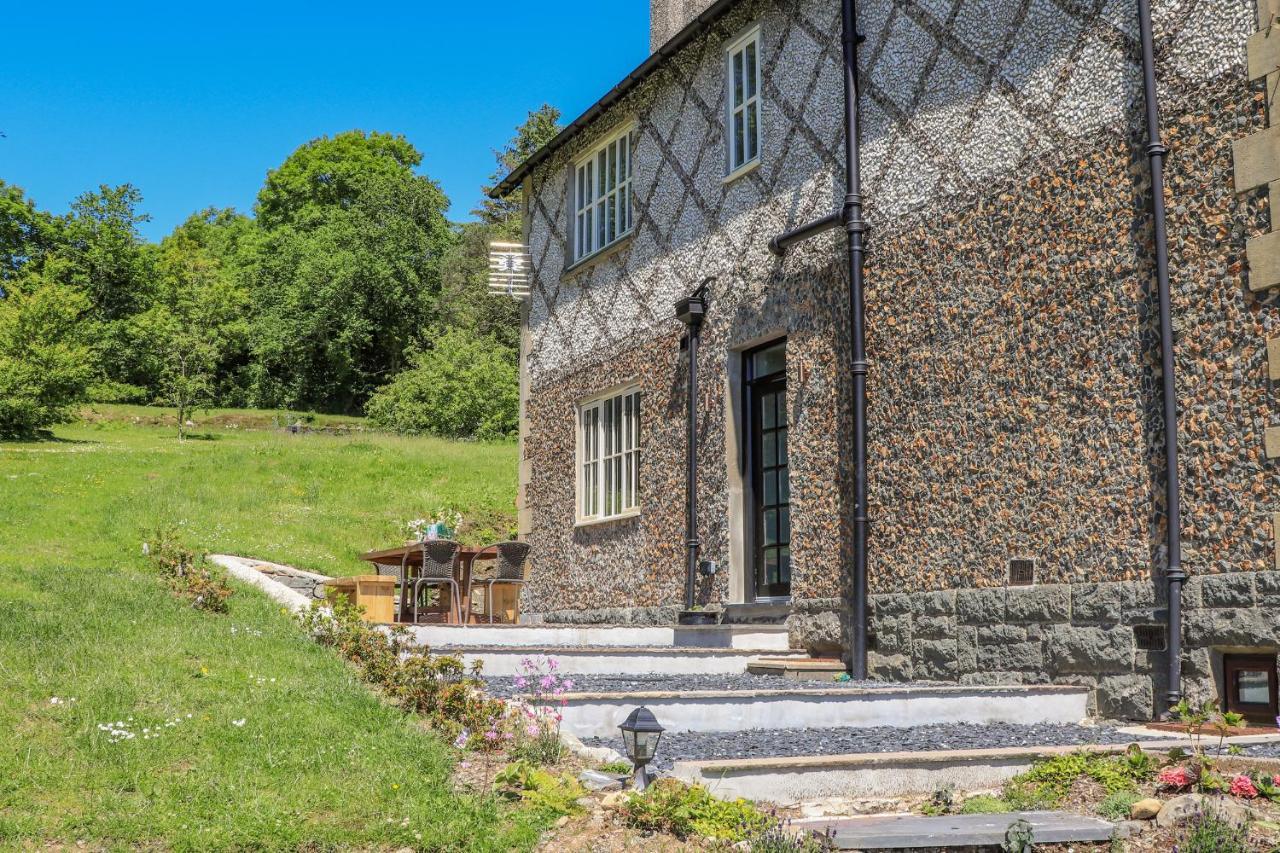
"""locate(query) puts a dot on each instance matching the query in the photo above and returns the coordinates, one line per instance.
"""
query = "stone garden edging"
(246, 570)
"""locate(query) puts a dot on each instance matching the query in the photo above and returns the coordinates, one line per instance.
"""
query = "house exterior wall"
(1014, 393)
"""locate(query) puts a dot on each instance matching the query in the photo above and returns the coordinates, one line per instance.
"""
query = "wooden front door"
(766, 372)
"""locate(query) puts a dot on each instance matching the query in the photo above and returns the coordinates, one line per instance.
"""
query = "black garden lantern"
(640, 735)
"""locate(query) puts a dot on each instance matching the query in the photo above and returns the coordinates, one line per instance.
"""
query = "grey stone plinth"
(1096, 603)
(1038, 604)
(981, 606)
(1090, 650)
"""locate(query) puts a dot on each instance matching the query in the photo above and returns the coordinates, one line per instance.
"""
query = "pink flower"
(533, 730)
(1275, 780)
(1174, 778)
(491, 735)
(1242, 786)
(547, 681)
(568, 684)
(551, 662)
(521, 681)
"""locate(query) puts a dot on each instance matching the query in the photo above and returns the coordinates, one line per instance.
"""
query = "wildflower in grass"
(395, 786)
(460, 742)
(238, 723)
(1242, 786)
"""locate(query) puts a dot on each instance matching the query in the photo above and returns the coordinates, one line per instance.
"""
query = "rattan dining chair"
(509, 561)
(403, 583)
(439, 560)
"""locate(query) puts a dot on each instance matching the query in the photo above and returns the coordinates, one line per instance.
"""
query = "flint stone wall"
(1080, 634)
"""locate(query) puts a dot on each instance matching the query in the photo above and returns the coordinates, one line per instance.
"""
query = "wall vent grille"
(1022, 572)
(1150, 638)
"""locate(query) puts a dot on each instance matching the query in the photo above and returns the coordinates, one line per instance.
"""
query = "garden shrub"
(687, 811)
(440, 689)
(437, 687)
(1117, 806)
(463, 387)
(778, 839)
(539, 788)
(1049, 781)
(188, 575)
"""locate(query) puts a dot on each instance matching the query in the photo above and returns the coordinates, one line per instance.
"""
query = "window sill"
(591, 260)
(741, 172)
(596, 522)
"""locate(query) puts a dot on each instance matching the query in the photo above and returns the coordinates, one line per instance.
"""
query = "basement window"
(1250, 682)
(609, 456)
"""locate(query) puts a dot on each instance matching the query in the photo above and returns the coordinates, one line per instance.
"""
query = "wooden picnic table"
(462, 574)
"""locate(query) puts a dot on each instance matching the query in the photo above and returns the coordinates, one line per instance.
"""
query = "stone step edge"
(830, 692)
(916, 832)
(663, 651)
(856, 760)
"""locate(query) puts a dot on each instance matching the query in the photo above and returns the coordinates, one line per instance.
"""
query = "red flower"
(1242, 786)
(1174, 778)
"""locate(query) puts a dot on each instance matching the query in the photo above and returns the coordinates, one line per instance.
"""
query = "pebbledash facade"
(1014, 401)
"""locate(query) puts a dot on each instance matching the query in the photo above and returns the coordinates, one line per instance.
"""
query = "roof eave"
(674, 45)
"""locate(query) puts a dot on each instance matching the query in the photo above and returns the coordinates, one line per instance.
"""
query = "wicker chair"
(439, 559)
(510, 558)
(403, 583)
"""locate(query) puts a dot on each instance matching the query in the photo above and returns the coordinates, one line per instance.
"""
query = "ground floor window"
(609, 456)
(1251, 686)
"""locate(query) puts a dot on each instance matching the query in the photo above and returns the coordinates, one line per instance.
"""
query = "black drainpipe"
(1155, 153)
(691, 311)
(850, 216)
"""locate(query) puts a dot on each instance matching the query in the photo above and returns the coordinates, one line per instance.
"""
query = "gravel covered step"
(797, 669)
(608, 662)
(908, 832)
(825, 742)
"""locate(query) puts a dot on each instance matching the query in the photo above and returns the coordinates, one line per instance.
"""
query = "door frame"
(751, 491)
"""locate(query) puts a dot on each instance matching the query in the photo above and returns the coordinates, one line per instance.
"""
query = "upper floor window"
(743, 99)
(602, 196)
(609, 456)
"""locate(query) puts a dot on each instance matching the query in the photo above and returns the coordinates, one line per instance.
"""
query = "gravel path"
(943, 736)
(1263, 750)
(505, 686)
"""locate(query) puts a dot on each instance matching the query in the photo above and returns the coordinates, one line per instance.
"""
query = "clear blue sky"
(194, 102)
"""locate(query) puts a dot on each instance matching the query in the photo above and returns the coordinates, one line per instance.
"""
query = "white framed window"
(602, 196)
(743, 100)
(609, 456)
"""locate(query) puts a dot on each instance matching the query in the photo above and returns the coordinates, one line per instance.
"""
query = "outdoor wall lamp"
(640, 735)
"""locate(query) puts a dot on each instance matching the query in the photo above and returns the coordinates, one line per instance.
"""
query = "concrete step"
(613, 660)
(760, 638)
(912, 832)
(797, 668)
(599, 714)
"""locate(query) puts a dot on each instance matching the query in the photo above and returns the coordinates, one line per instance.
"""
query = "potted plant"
(443, 525)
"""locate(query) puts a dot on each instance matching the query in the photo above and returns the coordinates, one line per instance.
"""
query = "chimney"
(668, 17)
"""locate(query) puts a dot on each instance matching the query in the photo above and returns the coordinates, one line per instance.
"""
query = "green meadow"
(129, 719)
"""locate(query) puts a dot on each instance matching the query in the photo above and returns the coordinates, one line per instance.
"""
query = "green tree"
(331, 173)
(195, 324)
(45, 367)
(106, 253)
(26, 233)
(463, 387)
(345, 281)
(539, 128)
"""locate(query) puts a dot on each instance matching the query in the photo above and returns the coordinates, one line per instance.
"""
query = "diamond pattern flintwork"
(955, 93)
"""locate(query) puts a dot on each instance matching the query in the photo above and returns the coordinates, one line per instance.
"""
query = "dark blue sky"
(192, 102)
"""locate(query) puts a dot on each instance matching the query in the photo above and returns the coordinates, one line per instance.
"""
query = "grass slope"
(318, 762)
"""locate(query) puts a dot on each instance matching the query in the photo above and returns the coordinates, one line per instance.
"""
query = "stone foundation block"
(816, 633)
(1267, 588)
(934, 627)
(1126, 697)
(939, 603)
(892, 604)
(1000, 634)
(936, 660)
(981, 606)
(893, 635)
(1013, 656)
(1232, 627)
(1228, 590)
(889, 667)
(1089, 650)
(966, 648)
(1003, 679)
(1039, 604)
(1097, 602)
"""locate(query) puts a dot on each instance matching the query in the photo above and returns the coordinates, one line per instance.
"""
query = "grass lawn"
(265, 741)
